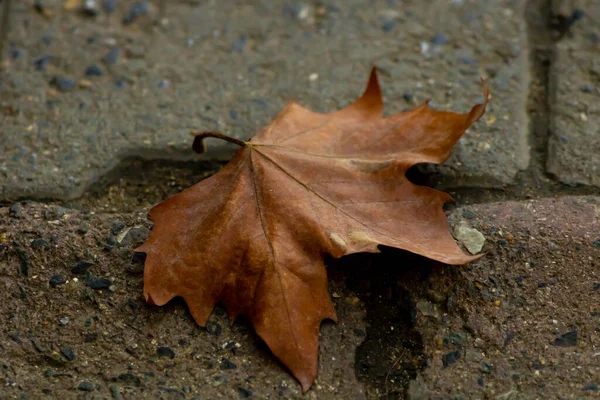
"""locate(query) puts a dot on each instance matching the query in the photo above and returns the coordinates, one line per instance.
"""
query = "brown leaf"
(254, 235)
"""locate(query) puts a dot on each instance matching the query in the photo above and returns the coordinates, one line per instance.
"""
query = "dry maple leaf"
(254, 234)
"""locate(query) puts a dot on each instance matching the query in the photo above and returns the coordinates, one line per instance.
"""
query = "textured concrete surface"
(57, 331)
(521, 322)
(231, 66)
(574, 147)
(500, 328)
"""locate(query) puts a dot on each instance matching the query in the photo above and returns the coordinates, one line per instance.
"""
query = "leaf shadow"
(389, 284)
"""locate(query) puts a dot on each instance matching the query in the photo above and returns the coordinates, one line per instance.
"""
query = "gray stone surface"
(231, 66)
(574, 147)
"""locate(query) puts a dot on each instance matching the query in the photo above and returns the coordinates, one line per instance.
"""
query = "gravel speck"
(566, 340)
(94, 70)
(112, 56)
(42, 62)
(439, 39)
(220, 379)
(17, 53)
(15, 211)
(388, 25)
(120, 83)
(81, 267)
(57, 280)
(40, 243)
(587, 88)
(214, 328)
(239, 44)
(165, 352)
(244, 393)
(68, 353)
(98, 283)
(64, 83)
(227, 364)
(136, 10)
(90, 8)
(450, 358)
(591, 386)
(86, 386)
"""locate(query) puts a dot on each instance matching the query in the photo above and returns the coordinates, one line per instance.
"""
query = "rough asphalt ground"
(96, 101)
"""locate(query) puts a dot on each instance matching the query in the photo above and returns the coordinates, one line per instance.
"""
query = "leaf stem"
(199, 147)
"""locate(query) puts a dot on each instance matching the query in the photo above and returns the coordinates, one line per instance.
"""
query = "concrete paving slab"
(72, 106)
(574, 147)
(521, 322)
(62, 329)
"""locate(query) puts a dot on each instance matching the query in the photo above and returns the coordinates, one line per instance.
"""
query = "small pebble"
(450, 358)
(47, 40)
(41, 7)
(90, 8)
(219, 379)
(116, 227)
(120, 83)
(587, 88)
(17, 54)
(112, 56)
(15, 336)
(58, 280)
(468, 60)
(63, 83)
(165, 352)
(298, 11)
(388, 25)
(239, 44)
(227, 364)
(244, 393)
(134, 236)
(566, 340)
(68, 353)
(94, 70)
(98, 283)
(486, 368)
(15, 211)
(137, 9)
(86, 386)
(468, 214)
(591, 386)
(40, 243)
(439, 39)
(81, 267)
(214, 328)
(471, 238)
(41, 62)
